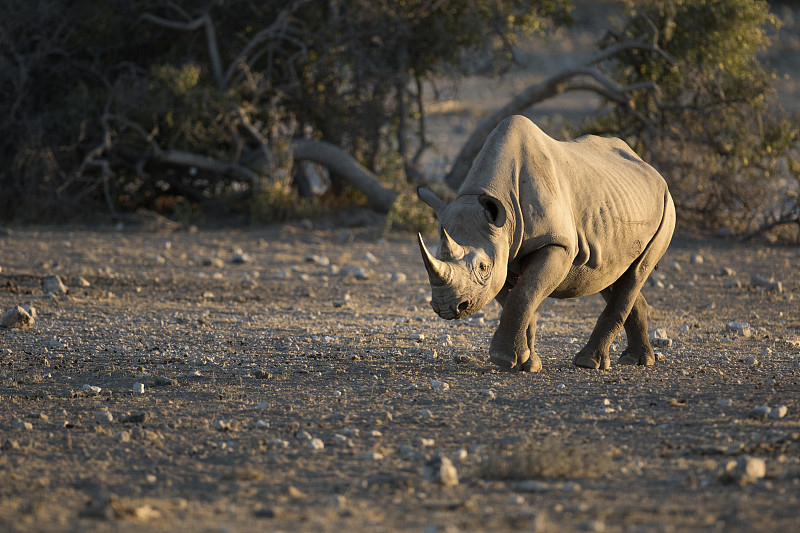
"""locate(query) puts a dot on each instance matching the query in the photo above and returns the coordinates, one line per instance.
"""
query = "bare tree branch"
(550, 88)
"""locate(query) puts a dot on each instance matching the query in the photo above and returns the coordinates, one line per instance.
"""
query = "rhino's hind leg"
(638, 351)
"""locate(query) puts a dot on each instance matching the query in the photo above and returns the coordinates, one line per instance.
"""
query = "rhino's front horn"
(439, 272)
(450, 249)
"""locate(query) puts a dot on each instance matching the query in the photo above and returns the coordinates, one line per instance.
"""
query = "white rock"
(439, 385)
(419, 337)
(303, 435)
(91, 389)
(398, 277)
(440, 470)
(372, 456)
(697, 259)
(23, 424)
(316, 444)
(80, 281)
(104, 417)
(744, 470)
(138, 388)
(370, 258)
(123, 436)
(727, 271)
(778, 412)
(742, 329)
(351, 432)
(489, 393)
(423, 442)
(262, 424)
(727, 402)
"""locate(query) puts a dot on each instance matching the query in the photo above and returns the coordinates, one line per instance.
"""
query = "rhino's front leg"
(512, 344)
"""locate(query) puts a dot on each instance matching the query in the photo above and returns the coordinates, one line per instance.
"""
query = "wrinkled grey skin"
(539, 218)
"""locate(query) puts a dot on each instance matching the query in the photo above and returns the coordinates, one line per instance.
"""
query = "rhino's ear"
(495, 211)
(429, 197)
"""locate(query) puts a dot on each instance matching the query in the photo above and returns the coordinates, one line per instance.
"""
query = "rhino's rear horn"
(450, 250)
(439, 272)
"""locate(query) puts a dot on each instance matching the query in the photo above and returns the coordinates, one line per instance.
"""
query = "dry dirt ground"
(283, 394)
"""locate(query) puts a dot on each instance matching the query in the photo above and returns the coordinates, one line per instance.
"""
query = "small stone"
(17, 318)
(489, 393)
(303, 435)
(742, 329)
(419, 337)
(316, 444)
(370, 258)
(123, 436)
(262, 406)
(426, 414)
(138, 388)
(696, 259)
(761, 412)
(778, 412)
(104, 417)
(423, 442)
(223, 425)
(358, 272)
(318, 259)
(727, 271)
(750, 361)
(23, 424)
(54, 285)
(262, 424)
(746, 469)
(398, 277)
(440, 470)
(163, 381)
(240, 257)
(439, 385)
(91, 389)
(595, 526)
(660, 338)
(727, 402)
(372, 456)
(80, 281)
(732, 284)
(214, 262)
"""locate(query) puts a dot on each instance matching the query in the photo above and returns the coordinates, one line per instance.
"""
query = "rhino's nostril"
(462, 307)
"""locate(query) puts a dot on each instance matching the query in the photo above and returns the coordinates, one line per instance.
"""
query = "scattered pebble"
(303, 435)
(372, 456)
(223, 425)
(419, 337)
(697, 259)
(727, 402)
(398, 277)
(240, 257)
(104, 417)
(489, 393)
(440, 470)
(439, 385)
(320, 260)
(660, 338)
(316, 444)
(214, 262)
(742, 329)
(761, 412)
(746, 469)
(370, 258)
(138, 388)
(727, 271)
(23, 424)
(750, 361)
(91, 389)
(123, 436)
(767, 283)
(80, 281)
(778, 412)
(17, 318)
(53, 285)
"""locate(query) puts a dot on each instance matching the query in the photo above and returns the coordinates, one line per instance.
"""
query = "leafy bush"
(712, 124)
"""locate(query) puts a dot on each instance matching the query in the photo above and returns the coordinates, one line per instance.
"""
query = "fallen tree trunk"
(337, 160)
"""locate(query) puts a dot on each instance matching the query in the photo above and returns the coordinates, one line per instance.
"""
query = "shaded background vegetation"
(194, 110)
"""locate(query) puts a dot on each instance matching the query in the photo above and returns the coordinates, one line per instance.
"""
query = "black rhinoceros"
(537, 217)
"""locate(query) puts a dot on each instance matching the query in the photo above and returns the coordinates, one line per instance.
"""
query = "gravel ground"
(295, 378)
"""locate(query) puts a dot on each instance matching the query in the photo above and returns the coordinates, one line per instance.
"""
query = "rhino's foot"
(527, 363)
(642, 356)
(533, 364)
(592, 359)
